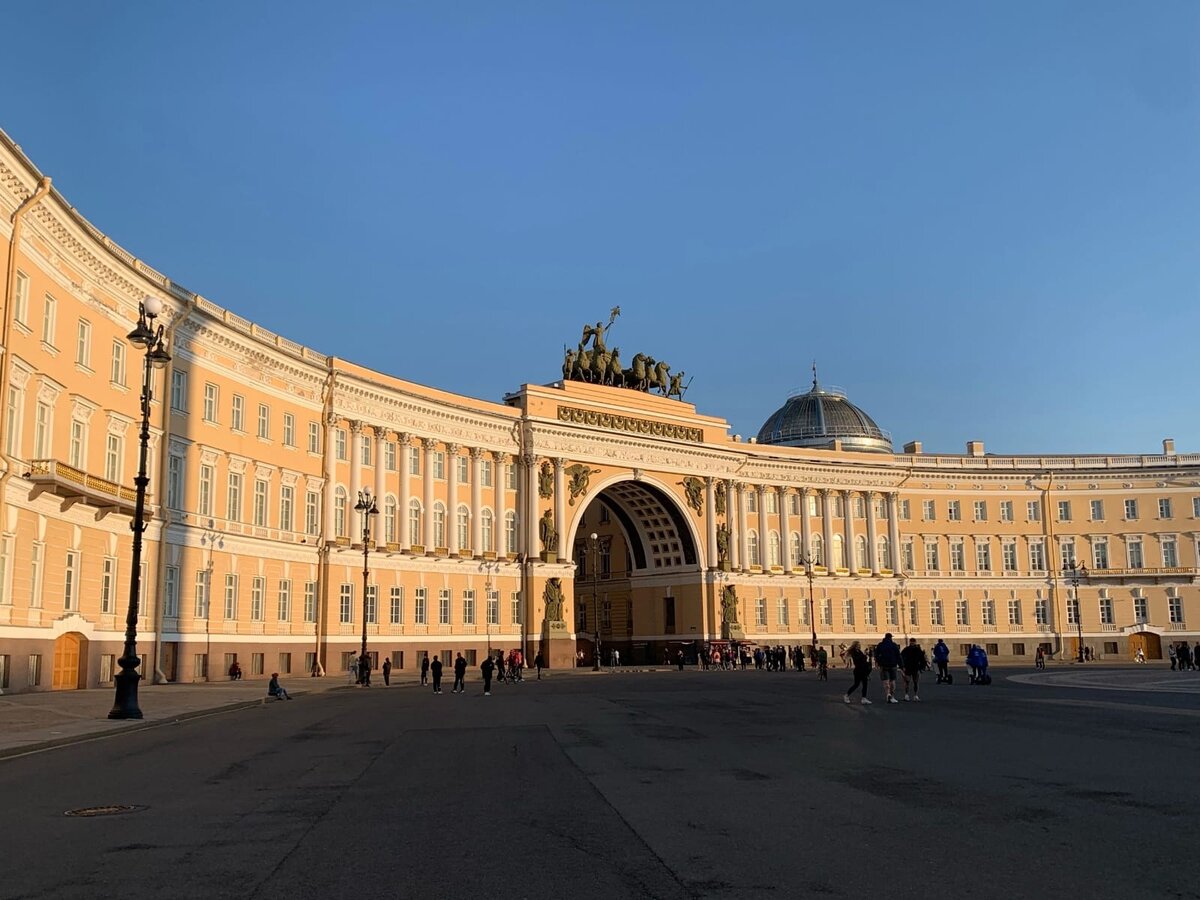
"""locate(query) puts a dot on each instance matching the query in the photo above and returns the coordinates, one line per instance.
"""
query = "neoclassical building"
(603, 507)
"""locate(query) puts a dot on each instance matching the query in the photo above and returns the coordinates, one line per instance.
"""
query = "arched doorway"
(70, 662)
(638, 589)
(1149, 643)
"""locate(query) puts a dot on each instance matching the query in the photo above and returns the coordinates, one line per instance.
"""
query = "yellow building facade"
(259, 449)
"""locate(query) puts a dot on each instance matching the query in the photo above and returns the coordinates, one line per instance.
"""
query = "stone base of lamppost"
(126, 703)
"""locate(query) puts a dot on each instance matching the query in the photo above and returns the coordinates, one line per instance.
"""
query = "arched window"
(752, 548)
(463, 523)
(339, 512)
(510, 533)
(485, 526)
(773, 554)
(883, 553)
(414, 522)
(818, 550)
(389, 520)
(797, 549)
(439, 525)
(837, 553)
(861, 560)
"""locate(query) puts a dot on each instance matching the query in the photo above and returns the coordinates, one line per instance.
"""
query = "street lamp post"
(902, 597)
(150, 338)
(594, 552)
(1076, 574)
(214, 541)
(366, 506)
(807, 562)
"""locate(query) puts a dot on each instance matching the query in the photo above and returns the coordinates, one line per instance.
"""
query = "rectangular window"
(49, 314)
(1141, 609)
(83, 344)
(443, 607)
(1009, 549)
(346, 603)
(1037, 556)
(928, 510)
(365, 445)
(207, 475)
(71, 581)
(1014, 612)
(1100, 554)
(310, 602)
(36, 556)
(958, 562)
(200, 607)
(464, 469)
(289, 430)
(980, 510)
(510, 476)
(212, 401)
(1006, 510)
(339, 443)
(954, 511)
(414, 462)
(931, 556)
(77, 453)
(962, 613)
(389, 456)
(114, 450)
(171, 598)
(256, 664)
(284, 608)
(260, 502)
(1072, 611)
(1041, 613)
(1164, 508)
(1133, 549)
(1033, 511)
(116, 372)
(1131, 510)
(108, 584)
(439, 465)
(1064, 510)
(175, 482)
(905, 510)
(419, 615)
(1175, 610)
(396, 606)
(515, 601)
(287, 503)
(752, 501)
(891, 610)
(493, 608)
(468, 607)
(760, 609)
(231, 597)
(314, 437)
(1196, 507)
(372, 604)
(179, 390)
(233, 498)
(237, 415)
(21, 299)
(1096, 508)
(848, 612)
(12, 437)
(937, 615)
(311, 511)
(285, 663)
(1108, 614)
(42, 430)
(989, 612)
(1170, 553)
(1066, 553)
(264, 421)
(826, 611)
(485, 473)
(782, 610)
(35, 669)
(983, 555)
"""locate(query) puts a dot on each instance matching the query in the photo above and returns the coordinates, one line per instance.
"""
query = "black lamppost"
(594, 552)
(366, 506)
(1076, 574)
(150, 338)
(807, 562)
(902, 596)
(214, 541)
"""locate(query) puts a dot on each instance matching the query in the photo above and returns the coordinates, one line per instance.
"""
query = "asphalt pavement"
(656, 784)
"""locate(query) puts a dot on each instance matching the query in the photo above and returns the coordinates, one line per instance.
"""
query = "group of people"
(1183, 658)
(508, 667)
(891, 660)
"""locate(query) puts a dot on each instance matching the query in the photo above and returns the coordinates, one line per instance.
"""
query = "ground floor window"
(199, 667)
(285, 663)
(1110, 647)
(35, 669)
(5, 664)
(256, 663)
(310, 662)
(107, 662)
(397, 659)
(1018, 649)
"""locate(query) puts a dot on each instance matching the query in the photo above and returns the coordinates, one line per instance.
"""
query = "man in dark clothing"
(364, 670)
(538, 663)
(435, 669)
(913, 662)
(941, 658)
(424, 670)
(387, 672)
(486, 670)
(887, 657)
(460, 674)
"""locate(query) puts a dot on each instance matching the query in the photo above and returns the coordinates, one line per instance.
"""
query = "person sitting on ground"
(276, 690)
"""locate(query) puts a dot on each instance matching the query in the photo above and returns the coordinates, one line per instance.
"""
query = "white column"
(331, 478)
(380, 483)
(897, 560)
(848, 530)
(352, 522)
(710, 510)
(764, 525)
(530, 528)
(731, 522)
(560, 507)
(872, 555)
(498, 530)
(785, 538)
(477, 503)
(805, 525)
(827, 526)
(742, 527)
(452, 499)
(427, 477)
(403, 464)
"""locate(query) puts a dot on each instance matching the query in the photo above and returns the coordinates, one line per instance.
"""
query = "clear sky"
(981, 219)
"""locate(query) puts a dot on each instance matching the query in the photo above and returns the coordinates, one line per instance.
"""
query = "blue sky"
(982, 220)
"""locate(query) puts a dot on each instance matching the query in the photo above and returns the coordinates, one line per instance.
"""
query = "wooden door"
(1148, 641)
(66, 663)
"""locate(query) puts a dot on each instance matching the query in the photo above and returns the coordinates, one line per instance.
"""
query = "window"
(486, 528)
(204, 504)
(285, 663)
(771, 501)
(83, 344)
(1100, 553)
(71, 581)
(108, 584)
(962, 613)
(237, 415)
(36, 556)
(1096, 508)
(782, 611)
(77, 452)
(1175, 610)
(1064, 510)
(493, 608)
(954, 511)
(310, 602)
(980, 510)
(365, 450)
(931, 556)
(389, 456)
(796, 551)
(774, 555)
(372, 604)
(1041, 613)
(35, 669)
(439, 525)
(116, 372)
(212, 400)
(1066, 553)
(848, 611)
(1107, 613)
(958, 561)
(905, 511)
(983, 555)
(1131, 510)
(760, 609)
(414, 522)
(5, 666)
(114, 451)
(231, 598)
(419, 606)
(514, 600)
(312, 508)
(287, 502)
(510, 480)
(1133, 549)
(179, 379)
(468, 607)
(12, 438)
(443, 607)
(284, 607)
(989, 611)
(200, 603)
(264, 421)
(42, 430)
(256, 664)
(928, 510)
(860, 553)
(1196, 507)
(463, 526)
(510, 533)
(464, 469)
(396, 605)
(21, 299)
(49, 314)
(1141, 609)
(346, 603)
(485, 473)
(1033, 511)
(1037, 556)
(1164, 508)
(260, 502)
(1009, 551)
(414, 463)
(1014, 612)
(937, 615)
(314, 437)
(1006, 510)
(233, 497)
(439, 465)
(883, 553)
(826, 611)
(891, 611)
(752, 547)
(1170, 553)
(389, 519)
(1072, 610)
(752, 501)
(289, 430)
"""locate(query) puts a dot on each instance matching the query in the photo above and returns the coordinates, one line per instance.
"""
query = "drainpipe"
(160, 575)
(18, 219)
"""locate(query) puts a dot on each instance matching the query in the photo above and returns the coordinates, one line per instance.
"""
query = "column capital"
(710, 481)
(331, 419)
(476, 452)
(452, 449)
(500, 457)
(381, 431)
(781, 489)
(430, 444)
(559, 463)
(825, 492)
(404, 438)
(356, 426)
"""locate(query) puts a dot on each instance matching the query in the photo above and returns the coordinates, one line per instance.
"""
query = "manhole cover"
(89, 811)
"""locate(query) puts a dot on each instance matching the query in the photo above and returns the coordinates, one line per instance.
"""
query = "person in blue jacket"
(941, 656)
(887, 657)
(978, 662)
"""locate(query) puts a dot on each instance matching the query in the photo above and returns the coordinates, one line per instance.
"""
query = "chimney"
(974, 448)
(913, 447)
(1168, 446)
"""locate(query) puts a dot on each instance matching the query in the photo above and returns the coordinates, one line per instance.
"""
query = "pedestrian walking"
(862, 672)
(912, 664)
(425, 669)
(387, 672)
(364, 670)
(822, 664)
(500, 666)
(435, 669)
(1040, 658)
(887, 657)
(460, 675)
(1171, 655)
(941, 658)
(538, 663)
(486, 671)
(1139, 656)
